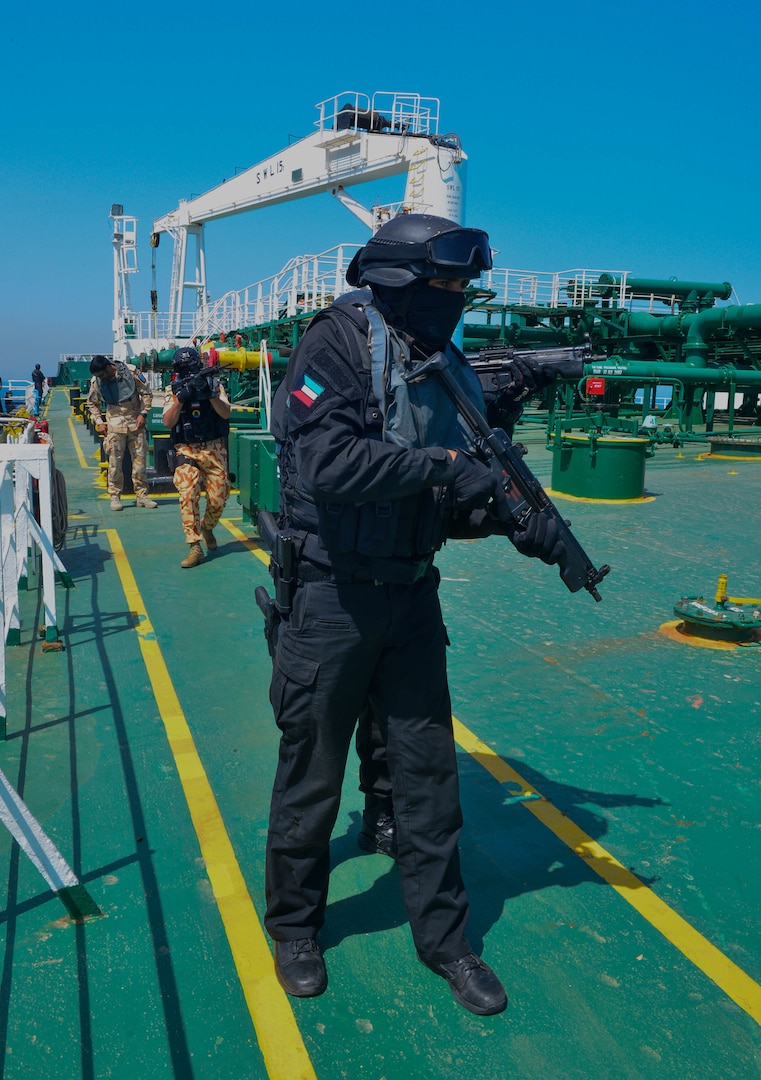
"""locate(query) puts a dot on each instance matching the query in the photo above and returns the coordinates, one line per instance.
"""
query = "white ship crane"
(357, 139)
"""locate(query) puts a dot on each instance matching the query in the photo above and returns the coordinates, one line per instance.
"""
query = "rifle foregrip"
(526, 495)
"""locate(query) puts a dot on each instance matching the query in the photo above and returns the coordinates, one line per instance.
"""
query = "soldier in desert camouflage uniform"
(197, 410)
(127, 399)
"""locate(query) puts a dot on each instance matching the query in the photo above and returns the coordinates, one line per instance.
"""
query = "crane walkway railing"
(310, 282)
(552, 289)
(304, 285)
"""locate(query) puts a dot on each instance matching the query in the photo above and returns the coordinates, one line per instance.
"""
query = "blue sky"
(599, 135)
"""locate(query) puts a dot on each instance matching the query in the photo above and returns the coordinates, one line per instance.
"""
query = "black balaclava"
(428, 314)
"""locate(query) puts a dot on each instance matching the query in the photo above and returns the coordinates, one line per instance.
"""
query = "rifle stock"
(525, 495)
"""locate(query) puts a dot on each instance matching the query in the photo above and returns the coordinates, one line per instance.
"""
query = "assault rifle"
(567, 362)
(525, 495)
(201, 382)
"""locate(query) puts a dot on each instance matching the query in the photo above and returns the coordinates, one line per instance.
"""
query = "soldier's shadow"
(505, 851)
(379, 908)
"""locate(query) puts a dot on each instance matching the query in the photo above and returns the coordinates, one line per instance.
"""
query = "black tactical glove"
(539, 540)
(202, 386)
(521, 378)
(196, 388)
(474, 483)
(528, 376)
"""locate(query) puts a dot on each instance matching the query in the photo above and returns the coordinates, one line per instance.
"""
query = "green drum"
(599, 467)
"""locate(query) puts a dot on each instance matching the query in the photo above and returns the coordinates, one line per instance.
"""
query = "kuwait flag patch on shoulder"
(307, 390)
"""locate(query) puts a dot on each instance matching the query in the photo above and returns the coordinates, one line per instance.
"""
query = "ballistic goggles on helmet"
(466, 248)
(391, 260)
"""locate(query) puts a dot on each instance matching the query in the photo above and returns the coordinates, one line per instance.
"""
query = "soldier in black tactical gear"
(376, 473)
(503, 408)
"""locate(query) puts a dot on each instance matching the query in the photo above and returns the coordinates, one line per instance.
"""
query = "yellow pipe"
(240, 359)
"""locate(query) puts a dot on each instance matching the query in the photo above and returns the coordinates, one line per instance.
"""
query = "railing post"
(20, 463)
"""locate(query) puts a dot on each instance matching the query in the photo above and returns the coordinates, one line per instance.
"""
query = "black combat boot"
(378, 831)
(300, 968)
(473, 984)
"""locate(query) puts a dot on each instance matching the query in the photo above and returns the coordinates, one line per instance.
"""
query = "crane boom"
(357, 140)
(313, 165)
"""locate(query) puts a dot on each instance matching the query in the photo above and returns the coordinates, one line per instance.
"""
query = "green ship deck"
(610, 787)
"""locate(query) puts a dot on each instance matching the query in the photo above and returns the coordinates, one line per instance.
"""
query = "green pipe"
(664, 287)
(643, 324)
(477, 336)
(485, 331)
(632, 370)
(707, 323)
(696, 328)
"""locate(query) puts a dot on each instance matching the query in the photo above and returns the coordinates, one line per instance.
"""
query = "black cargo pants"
(341, 644)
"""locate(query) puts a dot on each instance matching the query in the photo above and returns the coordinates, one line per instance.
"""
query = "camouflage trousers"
(115, 443)
(209, 470)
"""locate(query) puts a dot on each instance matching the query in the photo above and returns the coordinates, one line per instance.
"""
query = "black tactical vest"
(354, 536)
(199, 423)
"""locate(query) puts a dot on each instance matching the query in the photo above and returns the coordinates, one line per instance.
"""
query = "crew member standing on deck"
(128, 400)
(197, 410)
(375, 474)
(39, 385)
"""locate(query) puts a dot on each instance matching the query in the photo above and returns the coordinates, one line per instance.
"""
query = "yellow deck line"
(251, 543)
(279, 1038)
(605, 502)
(77, 445)
(712, 962)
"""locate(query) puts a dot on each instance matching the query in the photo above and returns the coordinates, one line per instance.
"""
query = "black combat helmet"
(412, 247)
(186, 360)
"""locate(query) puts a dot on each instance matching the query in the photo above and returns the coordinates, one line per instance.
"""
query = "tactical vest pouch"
(378, 533)
(199, 423)
(367, 530)
(434, 507)
(302, 511)
(337, 526)
(409, 528)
